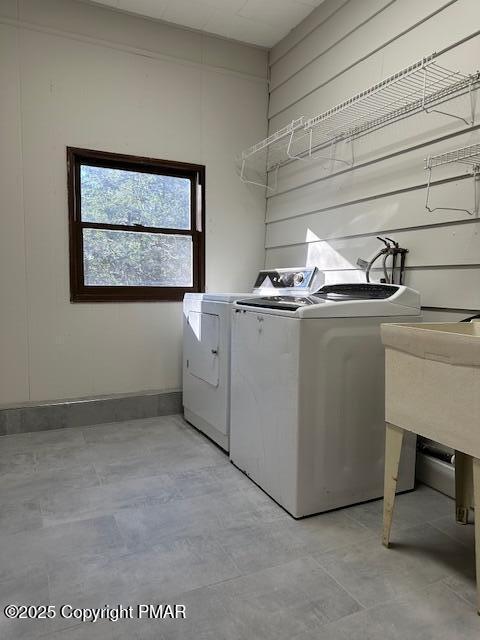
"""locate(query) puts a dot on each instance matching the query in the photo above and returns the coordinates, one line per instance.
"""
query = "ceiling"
(259, 22)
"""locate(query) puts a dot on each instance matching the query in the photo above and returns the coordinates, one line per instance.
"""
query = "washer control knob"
(298, 278)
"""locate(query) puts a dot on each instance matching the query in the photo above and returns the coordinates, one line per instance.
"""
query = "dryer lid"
(285, 303)
(224, 297)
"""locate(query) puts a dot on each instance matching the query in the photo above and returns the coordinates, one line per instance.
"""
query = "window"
(136, 227)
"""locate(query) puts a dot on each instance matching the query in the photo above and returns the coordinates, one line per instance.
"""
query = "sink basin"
(432, 381)
(453, 342)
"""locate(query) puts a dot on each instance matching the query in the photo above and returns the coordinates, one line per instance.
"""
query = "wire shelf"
(464, 155)
(420, 87)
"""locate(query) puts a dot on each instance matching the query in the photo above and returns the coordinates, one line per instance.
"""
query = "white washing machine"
(307, 405)
(206, 347)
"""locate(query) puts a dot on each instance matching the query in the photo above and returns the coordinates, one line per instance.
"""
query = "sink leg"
(393, 450)
(476, 501)
(463, 486)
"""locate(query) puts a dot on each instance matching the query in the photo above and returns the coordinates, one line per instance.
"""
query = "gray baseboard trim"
(82, 412)
(436, 474)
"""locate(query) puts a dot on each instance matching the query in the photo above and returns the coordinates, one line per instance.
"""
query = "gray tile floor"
(150, 511)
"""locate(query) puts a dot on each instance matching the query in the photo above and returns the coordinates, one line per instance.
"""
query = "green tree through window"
(136, 230)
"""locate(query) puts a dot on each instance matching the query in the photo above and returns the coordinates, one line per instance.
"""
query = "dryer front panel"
(202, 344)
(206, 367)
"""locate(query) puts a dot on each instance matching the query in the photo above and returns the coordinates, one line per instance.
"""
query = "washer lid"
(341, 301)
(357, 291)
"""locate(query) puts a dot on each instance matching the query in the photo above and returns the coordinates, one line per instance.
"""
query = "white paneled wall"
(75, 74)
(329, 214)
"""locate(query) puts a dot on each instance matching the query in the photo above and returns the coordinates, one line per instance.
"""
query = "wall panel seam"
(24, 215)
(353, 236)
(384, 158)
(449, 309)
(376, 196)
(145, 53)
(285, 53)
(430, 267)
(366, 56)
(339, 41)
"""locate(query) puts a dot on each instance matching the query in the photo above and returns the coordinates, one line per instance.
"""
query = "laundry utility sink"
(433, 381)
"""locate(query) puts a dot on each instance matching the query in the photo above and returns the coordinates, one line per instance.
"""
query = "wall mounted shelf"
(421, 87)
(268, 154)
(469, 156)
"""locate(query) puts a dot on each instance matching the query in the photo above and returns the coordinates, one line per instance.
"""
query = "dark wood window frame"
(79, 292)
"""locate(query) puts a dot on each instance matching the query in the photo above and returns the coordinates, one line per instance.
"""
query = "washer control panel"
(301, 278)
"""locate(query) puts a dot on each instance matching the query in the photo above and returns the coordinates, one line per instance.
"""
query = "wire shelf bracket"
(469, 156)
(266, 152)
(420, 87)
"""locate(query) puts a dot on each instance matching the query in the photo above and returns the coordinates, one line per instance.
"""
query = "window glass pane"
(115, 196)
(126, 258)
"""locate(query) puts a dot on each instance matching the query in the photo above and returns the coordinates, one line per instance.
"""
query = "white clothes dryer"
(206, 347)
